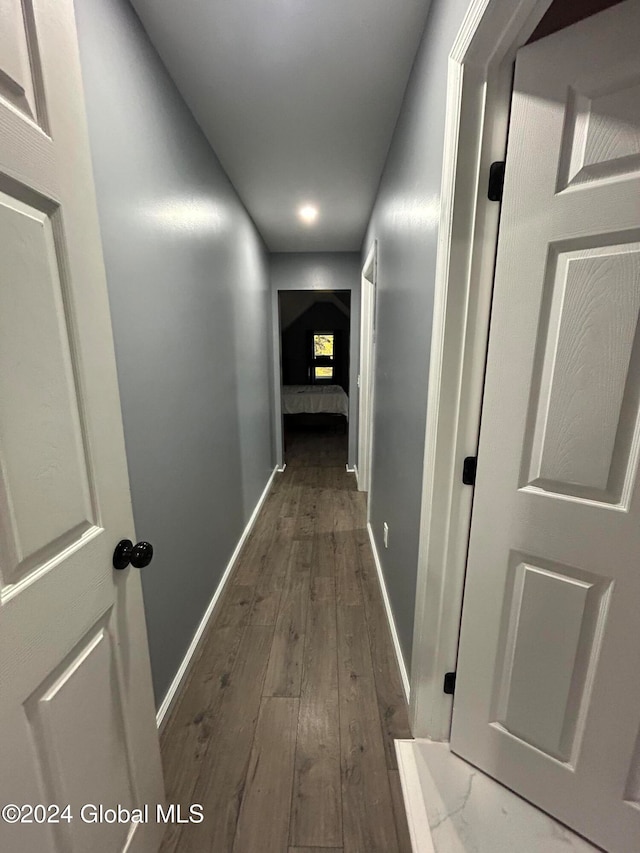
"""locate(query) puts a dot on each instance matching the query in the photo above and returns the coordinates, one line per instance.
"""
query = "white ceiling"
(298, 98)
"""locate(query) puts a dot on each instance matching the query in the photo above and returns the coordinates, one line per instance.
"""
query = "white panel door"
(77, 723)
(548, 689)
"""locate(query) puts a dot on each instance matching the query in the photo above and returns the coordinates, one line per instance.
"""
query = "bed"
(314, 399)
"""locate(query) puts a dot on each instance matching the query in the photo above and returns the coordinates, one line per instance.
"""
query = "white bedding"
(313, 399)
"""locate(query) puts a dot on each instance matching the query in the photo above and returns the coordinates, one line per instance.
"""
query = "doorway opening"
(315, 331)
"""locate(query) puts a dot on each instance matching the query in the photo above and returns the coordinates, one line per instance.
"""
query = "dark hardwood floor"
(284, 730)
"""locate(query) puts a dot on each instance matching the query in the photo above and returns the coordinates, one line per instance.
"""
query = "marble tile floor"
(453, 807)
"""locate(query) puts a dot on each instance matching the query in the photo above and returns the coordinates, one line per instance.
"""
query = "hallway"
(284, 731)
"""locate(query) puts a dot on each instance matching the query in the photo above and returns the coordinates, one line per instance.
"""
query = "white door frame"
(478, 100)
(366, 375)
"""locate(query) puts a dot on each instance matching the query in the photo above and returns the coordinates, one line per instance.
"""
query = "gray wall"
(189, 293)
(317, 271)
(405, 224)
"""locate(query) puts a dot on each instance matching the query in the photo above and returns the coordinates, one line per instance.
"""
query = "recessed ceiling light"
(308, 213)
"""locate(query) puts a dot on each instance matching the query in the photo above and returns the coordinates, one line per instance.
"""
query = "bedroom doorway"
(315, 332)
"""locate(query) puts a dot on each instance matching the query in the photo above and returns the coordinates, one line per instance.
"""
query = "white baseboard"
(392, 625)
(355, 471)
(280, 468)
(350, 470)
(412, 794)
(174, 688)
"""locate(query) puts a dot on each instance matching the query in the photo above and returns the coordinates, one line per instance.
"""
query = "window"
(322, 355)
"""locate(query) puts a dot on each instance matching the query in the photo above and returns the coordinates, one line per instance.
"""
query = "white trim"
(278, 430)
(174, 688)
(280, 468)
(478, 98)
(417, 818)
(368, 278)
(404, 675)
(355, 471)
(320, 280)
(350, 470)
(369, 267)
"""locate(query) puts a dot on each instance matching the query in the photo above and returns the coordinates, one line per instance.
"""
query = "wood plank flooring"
(284, 730)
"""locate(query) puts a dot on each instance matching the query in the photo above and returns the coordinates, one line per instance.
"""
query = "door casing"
(477, 110)
(276, 361)
(366, 374)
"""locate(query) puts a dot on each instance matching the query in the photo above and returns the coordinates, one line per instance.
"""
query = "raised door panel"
(80, 698)
(45, 493)
(71, 744)
(601, 137)
(583, 416)
(20, 78)
(553, 620)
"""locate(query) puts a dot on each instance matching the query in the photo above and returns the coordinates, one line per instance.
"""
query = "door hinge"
(469, 467)
(449, 685)
(496, 181)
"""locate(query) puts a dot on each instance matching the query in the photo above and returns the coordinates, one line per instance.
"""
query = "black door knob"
(139, 555)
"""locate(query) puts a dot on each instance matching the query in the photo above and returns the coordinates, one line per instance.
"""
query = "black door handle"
(139, 555)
